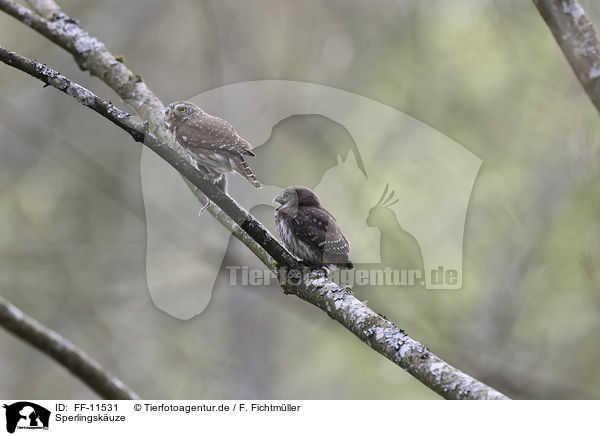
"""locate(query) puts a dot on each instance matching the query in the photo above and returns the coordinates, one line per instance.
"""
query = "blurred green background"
(487, 74)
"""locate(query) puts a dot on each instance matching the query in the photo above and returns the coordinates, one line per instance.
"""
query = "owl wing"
(211, 133)
(319, 229)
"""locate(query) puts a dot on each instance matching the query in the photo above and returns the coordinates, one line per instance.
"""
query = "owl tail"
(244, 169)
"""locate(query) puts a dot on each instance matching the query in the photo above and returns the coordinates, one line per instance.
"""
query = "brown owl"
(211, 141)
(308, 231)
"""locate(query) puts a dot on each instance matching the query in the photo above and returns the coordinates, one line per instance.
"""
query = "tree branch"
(577, 38)
(311, 286)
(64, 352)
(90, 54)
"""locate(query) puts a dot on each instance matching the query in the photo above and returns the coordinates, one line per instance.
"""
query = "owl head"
(295, 196)
(179, 111)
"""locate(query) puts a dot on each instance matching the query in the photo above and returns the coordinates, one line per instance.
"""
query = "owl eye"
(181, 109)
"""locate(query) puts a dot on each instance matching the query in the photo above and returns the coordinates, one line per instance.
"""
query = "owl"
(212, 142)
(308, 231)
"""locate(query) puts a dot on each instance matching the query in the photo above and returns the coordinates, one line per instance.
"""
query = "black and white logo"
(26, 415)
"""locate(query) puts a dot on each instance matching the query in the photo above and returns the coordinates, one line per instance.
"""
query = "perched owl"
(308, 231)
(211, 141)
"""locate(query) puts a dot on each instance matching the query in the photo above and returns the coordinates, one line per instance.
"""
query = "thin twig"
(377, 332)
(64, 352)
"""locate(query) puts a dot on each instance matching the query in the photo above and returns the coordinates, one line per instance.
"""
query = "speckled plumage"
(308, 231)
(211, 141)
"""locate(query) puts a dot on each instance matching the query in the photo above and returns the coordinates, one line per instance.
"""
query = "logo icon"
(26, 415)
